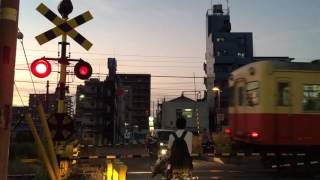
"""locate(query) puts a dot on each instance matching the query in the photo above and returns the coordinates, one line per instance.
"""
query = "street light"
(217, 89)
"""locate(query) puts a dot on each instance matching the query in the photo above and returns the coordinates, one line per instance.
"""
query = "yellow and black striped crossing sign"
(64, 27)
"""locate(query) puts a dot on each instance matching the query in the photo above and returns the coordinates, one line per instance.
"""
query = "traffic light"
(41, 68)
(82, 70)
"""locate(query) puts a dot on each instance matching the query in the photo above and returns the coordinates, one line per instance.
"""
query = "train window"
(231, 96)
(284, 93)
(311, 97)
(241, 96)
(253, 93)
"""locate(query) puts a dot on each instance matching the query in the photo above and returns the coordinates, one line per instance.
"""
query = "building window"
(241, 54)
(186, 113)
(253, 93)
(220, 39)
(283, 94)
(311, 97)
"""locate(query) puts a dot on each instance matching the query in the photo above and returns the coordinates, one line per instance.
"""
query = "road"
(139, 167)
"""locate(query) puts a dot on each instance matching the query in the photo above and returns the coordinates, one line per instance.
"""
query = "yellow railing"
(115, 170)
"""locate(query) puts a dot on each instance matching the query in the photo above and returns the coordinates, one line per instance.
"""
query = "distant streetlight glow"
(217, 89)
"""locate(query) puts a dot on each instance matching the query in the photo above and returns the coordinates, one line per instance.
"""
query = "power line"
(155, 76)
(15, 85)
(25, 55)
(128, 55)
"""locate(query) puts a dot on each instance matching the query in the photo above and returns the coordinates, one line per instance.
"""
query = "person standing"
(180, 148)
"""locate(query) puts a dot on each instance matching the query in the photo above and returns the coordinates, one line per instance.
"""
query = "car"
(157, 138)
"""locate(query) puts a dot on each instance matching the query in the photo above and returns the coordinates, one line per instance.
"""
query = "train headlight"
(163, 151)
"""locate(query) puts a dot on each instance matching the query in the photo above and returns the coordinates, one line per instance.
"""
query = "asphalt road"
(245, 168)
(141, 169)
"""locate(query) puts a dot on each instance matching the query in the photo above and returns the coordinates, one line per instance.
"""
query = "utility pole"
(9, 11)
(47, 98)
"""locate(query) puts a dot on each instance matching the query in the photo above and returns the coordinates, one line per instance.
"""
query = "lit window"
(220, 39)
(241, 54)
(186, 113)
(311, 97)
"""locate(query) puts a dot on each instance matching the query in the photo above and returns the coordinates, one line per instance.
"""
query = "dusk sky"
(165, 37)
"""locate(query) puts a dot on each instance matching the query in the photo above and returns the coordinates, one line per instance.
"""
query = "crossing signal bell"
(82, 70)
(41, 68)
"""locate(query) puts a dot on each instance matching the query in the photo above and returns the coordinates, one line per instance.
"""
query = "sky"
(163, 38)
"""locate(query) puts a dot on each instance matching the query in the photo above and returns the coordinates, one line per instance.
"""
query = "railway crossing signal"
(64, 27)
(41, 68)
(60, 123)
(61, 126)
(82, 70)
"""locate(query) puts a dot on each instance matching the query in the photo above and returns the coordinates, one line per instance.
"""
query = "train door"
(282, 117)
(240, 107)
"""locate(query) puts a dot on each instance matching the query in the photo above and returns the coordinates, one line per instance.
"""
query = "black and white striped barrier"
(109, 145)
(295, 164)
(123, 156)
(241, 154)
(118, 156)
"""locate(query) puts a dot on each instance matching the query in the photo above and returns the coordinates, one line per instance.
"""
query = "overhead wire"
(25, 55)
(18, 123)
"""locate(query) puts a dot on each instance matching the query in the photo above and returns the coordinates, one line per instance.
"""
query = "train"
(275, 106)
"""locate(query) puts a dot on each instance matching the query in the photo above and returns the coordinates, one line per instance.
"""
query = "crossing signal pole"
(60, 123)
(9, 10)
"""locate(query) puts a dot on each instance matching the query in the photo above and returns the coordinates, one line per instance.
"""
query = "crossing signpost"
(60, 123)
(64, 27)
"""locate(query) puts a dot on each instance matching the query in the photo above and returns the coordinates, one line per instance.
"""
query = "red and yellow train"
(275, 104)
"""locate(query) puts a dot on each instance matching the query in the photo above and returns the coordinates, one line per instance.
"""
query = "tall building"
(225, 51)
(106, 109)
(136, 89)
(95, 112)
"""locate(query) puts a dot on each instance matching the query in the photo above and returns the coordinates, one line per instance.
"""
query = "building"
(106, 109)
(95, 112)
(136, 89)
(20, 131)
(195, 112)
(225, 51)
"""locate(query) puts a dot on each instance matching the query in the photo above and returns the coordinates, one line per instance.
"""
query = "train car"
(275, 104)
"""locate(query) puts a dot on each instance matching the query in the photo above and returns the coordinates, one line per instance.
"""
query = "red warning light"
(41, 68)
(82, 70)
(228, 131)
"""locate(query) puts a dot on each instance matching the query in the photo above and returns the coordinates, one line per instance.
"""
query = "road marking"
(300, 164)
(218, 160)
(314, 162)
